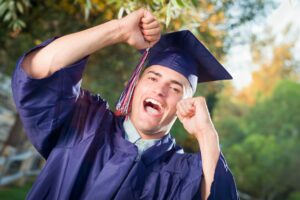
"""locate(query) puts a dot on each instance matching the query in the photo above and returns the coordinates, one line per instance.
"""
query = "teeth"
(153, 101)
(152, 110)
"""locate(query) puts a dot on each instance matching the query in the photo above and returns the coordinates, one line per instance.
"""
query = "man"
(93, 154)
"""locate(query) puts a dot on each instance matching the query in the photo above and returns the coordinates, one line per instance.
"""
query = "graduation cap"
(182, 52)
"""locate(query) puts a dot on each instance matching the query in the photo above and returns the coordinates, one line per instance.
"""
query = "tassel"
(124, 101)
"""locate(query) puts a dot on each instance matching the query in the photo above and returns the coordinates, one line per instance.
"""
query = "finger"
(148, 19)
(152, 38)
(151, 25)
(192, 111)
(181, 110)
(183, 106)
(188, 106)
(191, 107)
(180, 117)
(182, 114)
(151, 32)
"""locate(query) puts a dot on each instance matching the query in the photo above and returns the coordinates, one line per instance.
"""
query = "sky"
(239, 62)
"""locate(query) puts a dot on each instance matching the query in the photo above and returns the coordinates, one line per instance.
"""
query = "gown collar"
(164, 145)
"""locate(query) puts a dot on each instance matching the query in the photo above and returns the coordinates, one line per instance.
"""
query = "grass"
(15, 192)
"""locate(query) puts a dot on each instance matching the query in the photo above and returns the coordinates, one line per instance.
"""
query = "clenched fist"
(194, 115)
(141, 29)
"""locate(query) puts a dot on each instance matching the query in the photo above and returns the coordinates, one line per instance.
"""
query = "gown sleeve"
(44, 104)
(223, 186)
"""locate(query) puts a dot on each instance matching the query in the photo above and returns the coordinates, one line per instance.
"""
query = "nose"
(161, 90)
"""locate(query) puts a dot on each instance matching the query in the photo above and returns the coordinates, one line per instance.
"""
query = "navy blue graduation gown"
(86, 154)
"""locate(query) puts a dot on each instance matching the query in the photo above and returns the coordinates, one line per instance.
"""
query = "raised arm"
(217, 181)
(47, 79)
(139, 29)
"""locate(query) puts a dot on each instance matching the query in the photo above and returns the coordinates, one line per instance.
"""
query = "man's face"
(154, 101)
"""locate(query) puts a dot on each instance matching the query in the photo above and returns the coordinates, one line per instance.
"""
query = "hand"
(141, 29)
(194, 115)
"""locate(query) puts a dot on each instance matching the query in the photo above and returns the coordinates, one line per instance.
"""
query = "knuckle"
(145, 31)
(201, 99)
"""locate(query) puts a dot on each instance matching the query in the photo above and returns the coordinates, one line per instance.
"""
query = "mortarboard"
(182, 52)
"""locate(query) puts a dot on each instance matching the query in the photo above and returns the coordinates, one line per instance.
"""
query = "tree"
(276, 62)
(259, 125)
(266, 157)
(210, 20)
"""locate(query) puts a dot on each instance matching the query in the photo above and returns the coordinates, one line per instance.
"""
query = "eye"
(152, 78)
(176, 90)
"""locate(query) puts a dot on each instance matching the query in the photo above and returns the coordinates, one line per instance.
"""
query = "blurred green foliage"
(266, 154)
(15, 192)
(259, 126)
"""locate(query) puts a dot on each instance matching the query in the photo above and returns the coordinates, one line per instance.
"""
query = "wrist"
(206, 130)
(122, 33)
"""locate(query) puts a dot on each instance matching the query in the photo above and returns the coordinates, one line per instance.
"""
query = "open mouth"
(152, 106)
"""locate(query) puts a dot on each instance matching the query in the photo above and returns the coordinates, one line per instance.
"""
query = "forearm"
(194, 115)
(70, 48)
(210, 152)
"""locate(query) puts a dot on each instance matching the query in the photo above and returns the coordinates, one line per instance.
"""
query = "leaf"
(22, 23)
(7, 17)
(127, 10)
(15, 26)
(87, 9)
(26, 3)
(178, 3)
(86, 13)
(158, 2)
(11, 5)
(20, 7)
(3, 8)
(186, 4)
(111, 1)
(88, 4)
(195, 3)
(121, 12)
(168, 14)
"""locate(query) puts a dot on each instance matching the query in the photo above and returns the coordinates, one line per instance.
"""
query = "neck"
(150, 134)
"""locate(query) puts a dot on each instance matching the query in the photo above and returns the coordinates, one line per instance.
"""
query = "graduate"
(94, 153)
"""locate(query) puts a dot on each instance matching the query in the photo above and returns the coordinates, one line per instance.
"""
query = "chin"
(149, 125)
(154, 128)
(148, 128)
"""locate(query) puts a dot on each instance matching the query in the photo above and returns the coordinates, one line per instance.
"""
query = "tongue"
(152, 110)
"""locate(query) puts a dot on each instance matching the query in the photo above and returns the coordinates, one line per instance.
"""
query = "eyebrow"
(160, 75)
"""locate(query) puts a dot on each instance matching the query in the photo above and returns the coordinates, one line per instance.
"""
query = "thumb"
(180, 117)
(140, 13)
(146, 13)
